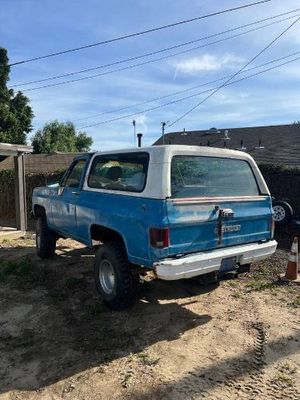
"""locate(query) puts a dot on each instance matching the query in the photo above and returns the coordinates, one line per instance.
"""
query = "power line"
(236, 73)
(154, 60)
(186, 90)
(188, 97)
(163, 50)
(139, 33)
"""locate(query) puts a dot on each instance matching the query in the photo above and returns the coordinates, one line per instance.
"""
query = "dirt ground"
(182, 340)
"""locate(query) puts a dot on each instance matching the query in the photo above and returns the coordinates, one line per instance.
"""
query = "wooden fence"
(7, 190)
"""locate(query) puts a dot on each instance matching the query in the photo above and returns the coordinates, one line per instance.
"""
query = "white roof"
(165, 151)
(157, 186)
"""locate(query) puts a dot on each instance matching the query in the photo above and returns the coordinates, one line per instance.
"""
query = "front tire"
(45, 239)
(114, 279)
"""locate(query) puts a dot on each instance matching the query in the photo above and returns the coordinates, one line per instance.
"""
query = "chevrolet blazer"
(182, 211)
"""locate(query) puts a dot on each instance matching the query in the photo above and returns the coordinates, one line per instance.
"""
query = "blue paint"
(73, 216)
(197, 230)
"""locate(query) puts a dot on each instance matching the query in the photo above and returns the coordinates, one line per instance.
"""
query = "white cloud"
(207, 62)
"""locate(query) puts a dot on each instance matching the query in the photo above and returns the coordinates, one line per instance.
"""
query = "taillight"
(159, 237)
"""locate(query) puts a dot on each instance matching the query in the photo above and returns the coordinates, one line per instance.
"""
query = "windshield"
(200, 176)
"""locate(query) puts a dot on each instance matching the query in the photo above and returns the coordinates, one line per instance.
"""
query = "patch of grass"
(145, 358)
(296, 302)
(288, 367)
(95, 309)
(236, 295)
(259, 285)
(71, 282)
(22, 268)
(142, 356)
(285, 380)
(233, 283)
(22, 272)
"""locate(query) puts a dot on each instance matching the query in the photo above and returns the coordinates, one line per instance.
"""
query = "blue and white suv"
(181, 211)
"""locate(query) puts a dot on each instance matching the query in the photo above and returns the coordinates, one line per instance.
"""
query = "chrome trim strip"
(200, 200)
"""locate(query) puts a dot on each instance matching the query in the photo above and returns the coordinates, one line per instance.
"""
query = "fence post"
(20, 192)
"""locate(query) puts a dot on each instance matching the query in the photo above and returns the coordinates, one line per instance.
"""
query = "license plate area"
(228, 264)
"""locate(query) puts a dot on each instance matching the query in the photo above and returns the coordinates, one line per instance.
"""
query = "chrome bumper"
(196, 264)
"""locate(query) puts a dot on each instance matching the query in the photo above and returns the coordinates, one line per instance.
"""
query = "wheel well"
(103, 234)
(38, 211)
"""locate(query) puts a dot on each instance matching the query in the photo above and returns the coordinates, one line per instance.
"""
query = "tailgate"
(215, 202)
(198, 226)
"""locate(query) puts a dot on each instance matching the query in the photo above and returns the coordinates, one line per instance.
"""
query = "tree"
(59, 136)
(15, 113)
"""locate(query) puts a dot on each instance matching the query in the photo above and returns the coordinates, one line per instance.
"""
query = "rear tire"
(114, 279)
(45, 238)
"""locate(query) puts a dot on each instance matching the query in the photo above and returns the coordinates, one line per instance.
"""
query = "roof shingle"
(280, 144)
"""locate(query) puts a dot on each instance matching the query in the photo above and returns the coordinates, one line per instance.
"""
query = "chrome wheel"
(114, 278)
(107, 276)
(279, 213)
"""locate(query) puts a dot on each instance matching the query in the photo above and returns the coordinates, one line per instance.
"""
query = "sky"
(31, 28)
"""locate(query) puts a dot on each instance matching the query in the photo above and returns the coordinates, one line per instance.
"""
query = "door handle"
(76, 193)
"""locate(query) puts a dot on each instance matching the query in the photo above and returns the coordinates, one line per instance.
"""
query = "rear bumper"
(196, 264)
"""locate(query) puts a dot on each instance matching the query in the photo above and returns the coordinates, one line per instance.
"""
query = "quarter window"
(126, 172)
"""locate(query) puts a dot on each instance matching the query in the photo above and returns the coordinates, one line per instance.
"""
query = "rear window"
(197, 176)
(125, 172)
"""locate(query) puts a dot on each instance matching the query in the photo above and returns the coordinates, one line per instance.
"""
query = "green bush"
(7, 177)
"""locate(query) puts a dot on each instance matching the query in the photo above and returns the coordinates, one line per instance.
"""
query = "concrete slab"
(7, 229)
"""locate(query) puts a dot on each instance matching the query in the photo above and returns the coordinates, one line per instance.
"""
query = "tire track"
(258, 383)
(233, 384)
(251, 386)
(247, 377)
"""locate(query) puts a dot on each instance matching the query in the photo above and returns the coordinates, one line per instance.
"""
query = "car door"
(63, 205)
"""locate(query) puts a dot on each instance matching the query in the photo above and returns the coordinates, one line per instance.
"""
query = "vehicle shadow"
(53, 325)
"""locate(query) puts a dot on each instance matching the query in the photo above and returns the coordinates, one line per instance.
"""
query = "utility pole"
(163, 125)
(134, 132)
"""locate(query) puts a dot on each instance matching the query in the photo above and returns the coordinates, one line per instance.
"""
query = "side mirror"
(53, 185)
(60, 190)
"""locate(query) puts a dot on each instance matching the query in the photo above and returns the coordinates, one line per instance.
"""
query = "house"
(275, 144)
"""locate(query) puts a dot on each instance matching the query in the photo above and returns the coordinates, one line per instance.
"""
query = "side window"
(74, 177)
(125, 172)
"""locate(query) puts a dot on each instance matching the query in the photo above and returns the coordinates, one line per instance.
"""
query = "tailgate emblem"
(231, 228)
